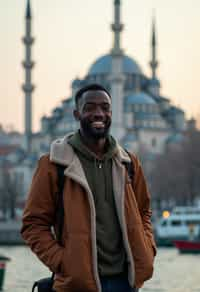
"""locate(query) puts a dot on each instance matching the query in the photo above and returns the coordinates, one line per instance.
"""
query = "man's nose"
(98, 111)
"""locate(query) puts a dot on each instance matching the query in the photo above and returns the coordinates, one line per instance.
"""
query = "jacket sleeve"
(39, 216)
(143, 199)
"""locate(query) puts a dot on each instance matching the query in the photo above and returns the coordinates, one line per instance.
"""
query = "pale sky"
(71, 34)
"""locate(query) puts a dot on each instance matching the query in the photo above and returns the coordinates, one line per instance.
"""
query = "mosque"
(143, 119)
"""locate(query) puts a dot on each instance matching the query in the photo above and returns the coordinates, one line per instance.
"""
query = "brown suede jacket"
(75, 262)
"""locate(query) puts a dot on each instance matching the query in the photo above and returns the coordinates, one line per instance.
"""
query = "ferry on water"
(181, 223)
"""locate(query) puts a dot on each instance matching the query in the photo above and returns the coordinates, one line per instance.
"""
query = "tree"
(9, 190)
(176, 174)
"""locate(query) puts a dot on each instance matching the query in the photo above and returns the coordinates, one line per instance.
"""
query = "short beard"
(93, 133)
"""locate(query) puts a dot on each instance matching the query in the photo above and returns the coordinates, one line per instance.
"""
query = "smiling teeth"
(98, 124)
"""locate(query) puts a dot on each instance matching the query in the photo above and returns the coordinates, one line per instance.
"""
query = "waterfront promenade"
(173, 272)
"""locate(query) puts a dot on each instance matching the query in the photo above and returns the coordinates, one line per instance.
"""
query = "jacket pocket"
(76, 266)
(64, 263)
(142, 252)
(77, 260)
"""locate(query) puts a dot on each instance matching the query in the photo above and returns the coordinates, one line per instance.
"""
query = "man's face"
(94, 113)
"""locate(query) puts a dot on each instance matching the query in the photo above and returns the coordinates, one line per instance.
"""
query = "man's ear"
(76, 115)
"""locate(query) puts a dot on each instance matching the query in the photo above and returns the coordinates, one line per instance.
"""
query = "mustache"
(89, 130)
(99, 120)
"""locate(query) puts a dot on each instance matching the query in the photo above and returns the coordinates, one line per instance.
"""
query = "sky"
(71, 34)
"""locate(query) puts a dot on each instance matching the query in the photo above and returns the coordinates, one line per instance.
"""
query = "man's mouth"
(98, 124)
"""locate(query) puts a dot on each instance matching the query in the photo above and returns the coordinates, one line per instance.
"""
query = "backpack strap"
(59, 205)
(129, 167)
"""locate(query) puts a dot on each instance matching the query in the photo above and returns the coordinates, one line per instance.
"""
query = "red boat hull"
(187, 246)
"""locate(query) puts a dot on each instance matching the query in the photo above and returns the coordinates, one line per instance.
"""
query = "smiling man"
(107, 241)
(93, 111)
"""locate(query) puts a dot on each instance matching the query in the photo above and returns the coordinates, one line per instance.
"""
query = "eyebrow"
(90, 102)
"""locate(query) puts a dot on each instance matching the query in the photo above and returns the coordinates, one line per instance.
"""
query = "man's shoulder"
(44, 156)
(61, 151)
(127, 154)
(44, 161)
(134, 160)
(133, 156)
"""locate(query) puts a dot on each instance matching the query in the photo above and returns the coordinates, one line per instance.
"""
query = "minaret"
(117, 77)
(153, 62)
(28, 87)
(117, 28)
(154, 83)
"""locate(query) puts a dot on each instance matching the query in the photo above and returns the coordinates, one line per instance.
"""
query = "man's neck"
(97, 146)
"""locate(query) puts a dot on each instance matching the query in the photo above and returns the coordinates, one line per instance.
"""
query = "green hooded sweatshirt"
(111, 253)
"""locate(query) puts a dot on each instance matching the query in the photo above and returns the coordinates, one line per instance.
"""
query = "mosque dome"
(139, 98)
(103, 65)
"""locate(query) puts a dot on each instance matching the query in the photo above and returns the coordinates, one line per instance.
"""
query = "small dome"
(69, 102)
(139, 98)
(44, 118)
(103, 65)
(76, 83)
(57, 110)
(154, 82)
(173, 110)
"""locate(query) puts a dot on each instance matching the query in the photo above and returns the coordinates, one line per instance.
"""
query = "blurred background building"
(144, 120)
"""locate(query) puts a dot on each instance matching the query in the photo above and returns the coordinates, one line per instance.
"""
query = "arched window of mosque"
(153, 142)
(150, 108)
(129, 120)
(138, 123)
(156, 109)
(145, 123)
(129, 80)
(136, 107)
(142, 107)
(126, 107)
(151, 124)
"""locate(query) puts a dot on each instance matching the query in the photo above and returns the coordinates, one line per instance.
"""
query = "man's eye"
(89, 107)
(106, 107)
(93, 107)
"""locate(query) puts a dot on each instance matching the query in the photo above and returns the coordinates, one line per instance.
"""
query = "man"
(107, 241)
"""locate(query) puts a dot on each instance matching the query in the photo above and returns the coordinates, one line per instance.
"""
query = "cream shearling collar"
(62, 153)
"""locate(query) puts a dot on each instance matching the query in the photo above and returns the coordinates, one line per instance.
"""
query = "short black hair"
(89, 87)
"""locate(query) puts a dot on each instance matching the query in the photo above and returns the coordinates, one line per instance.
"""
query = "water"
(173, 272)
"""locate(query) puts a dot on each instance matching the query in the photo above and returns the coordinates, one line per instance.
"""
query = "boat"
(3, 261)
(181, 223)
(188, 246)
(10, 233)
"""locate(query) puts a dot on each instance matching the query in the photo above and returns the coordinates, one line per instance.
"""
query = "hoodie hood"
(76, 141)
(62, 152)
